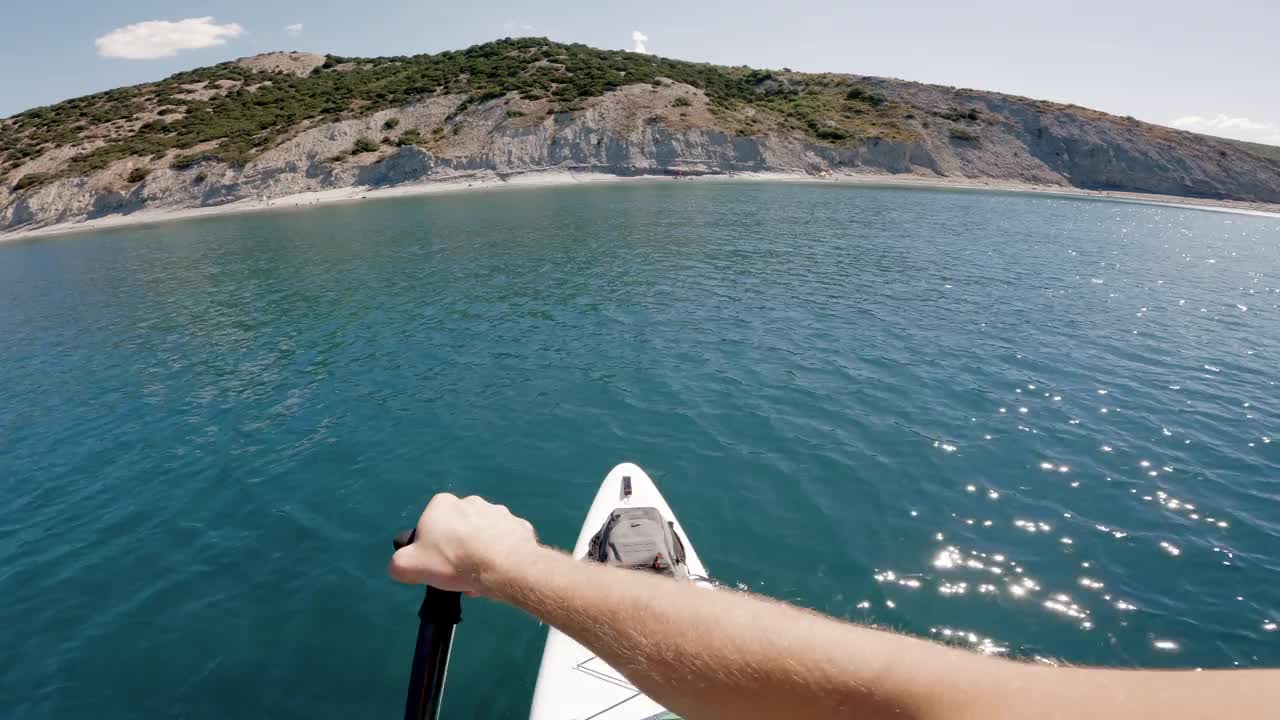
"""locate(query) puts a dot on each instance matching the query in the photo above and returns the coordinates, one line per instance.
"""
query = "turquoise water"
(1029, 425)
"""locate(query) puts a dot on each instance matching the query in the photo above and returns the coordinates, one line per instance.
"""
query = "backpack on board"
(639, 539)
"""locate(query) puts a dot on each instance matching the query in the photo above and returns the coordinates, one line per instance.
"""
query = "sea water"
(1038, 427)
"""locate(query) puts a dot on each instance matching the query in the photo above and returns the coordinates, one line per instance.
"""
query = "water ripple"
(1026, 426)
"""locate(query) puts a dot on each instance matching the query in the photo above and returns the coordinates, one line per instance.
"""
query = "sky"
(1207, 67)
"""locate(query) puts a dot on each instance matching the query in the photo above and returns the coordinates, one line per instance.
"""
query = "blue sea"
(1039, 427)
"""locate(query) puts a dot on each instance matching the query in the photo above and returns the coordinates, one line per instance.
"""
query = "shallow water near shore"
(1032, 426)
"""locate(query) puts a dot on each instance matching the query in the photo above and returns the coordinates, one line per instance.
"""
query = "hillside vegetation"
(286, 124)
(242, 111)
(1271, 152)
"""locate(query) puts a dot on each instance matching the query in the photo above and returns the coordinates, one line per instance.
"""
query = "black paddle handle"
(404, 537)
(440, 611)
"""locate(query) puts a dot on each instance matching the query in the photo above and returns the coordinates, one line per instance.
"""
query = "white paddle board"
(574, 684)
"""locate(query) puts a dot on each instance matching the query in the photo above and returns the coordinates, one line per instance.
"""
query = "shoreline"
(488, 180)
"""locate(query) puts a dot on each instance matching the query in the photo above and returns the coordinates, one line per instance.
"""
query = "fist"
(459, 542)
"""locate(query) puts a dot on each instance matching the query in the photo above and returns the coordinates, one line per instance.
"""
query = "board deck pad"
(574, 684)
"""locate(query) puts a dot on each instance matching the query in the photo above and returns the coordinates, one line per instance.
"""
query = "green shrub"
(956, 115)
(862, 95)
(832, 133)
(200, 178)
(681, 101)
(409, 137)
(31, 180)
(137, 175)
(515, 113)
(182, 162)
(963, 134)
(363, 145)
(391, 124)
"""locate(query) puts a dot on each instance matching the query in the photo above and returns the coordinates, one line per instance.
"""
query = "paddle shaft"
(440, 611)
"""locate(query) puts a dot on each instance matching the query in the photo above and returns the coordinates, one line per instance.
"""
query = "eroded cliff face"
(637, 130)
(1038, 141)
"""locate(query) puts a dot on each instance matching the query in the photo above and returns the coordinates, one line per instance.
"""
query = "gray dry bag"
(639, 539)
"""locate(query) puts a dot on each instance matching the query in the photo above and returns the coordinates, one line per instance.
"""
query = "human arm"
(722, 654)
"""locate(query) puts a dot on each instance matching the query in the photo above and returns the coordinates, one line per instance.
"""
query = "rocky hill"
(284, 123)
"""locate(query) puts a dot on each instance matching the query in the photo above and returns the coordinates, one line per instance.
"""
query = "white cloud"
(639, 39)
(164, 38)
(293, 30)
(1223, 125)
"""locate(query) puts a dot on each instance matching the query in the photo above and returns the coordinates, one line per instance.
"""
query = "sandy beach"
(489, 181)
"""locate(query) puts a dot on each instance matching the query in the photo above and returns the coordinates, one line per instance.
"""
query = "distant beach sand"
(558, 177)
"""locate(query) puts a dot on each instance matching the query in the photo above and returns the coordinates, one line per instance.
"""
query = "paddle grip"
(440, 611)
(404, 537)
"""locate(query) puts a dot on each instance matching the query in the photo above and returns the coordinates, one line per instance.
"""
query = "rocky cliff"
(158, 147)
